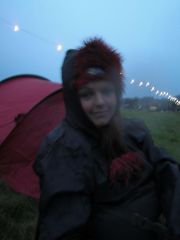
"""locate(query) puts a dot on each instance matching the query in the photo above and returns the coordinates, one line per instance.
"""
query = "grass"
(164, 127)
(18, 213)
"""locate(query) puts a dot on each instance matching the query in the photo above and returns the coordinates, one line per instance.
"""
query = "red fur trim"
(96, 53)
(126, 166)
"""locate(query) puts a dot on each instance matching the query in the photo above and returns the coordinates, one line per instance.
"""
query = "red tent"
(30, 107)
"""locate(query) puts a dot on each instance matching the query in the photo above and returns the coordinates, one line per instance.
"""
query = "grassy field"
(18, 213)
(164, 127)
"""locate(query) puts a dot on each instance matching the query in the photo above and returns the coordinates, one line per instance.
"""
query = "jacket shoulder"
(65, 135)
(63, 146)
(135, 129)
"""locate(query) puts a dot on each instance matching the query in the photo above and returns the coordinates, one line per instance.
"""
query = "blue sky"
(146, 33)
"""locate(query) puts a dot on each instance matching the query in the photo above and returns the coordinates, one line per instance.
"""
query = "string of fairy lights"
(153, 89)
(16, 28)
(158, 93)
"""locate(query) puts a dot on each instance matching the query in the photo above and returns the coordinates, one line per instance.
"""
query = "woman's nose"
(99, 100)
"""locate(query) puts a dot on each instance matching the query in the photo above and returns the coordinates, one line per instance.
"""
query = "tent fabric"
(18, 95)
(31, 107)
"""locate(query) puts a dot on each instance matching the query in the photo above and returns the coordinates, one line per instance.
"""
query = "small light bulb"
(132, 81)
(59, 47)
(16, 28)
(152, 89)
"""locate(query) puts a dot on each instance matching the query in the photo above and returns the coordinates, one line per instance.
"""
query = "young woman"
(101, 176)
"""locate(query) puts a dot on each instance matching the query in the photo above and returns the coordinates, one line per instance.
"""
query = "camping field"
(18, 213)
(164, 127)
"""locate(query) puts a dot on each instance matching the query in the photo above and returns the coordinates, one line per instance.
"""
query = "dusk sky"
(146, 33)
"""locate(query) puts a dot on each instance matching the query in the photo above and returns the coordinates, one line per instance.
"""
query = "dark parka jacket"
(77, 202)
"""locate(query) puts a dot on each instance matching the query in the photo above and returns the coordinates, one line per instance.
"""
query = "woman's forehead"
(97, 84)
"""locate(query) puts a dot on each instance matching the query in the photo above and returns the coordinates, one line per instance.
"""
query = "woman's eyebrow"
(85, 89)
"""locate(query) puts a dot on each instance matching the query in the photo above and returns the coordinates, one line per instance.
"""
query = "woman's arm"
(65, 203)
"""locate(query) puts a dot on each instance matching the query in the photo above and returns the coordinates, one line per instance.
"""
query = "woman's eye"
(85, 95)
(107, 91)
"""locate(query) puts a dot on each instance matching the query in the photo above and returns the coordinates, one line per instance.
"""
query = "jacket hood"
(77, 70)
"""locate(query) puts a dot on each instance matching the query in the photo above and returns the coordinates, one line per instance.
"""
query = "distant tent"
(30, 107)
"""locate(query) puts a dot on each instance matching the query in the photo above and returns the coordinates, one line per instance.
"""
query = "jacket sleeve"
(167, 175)
(65, 203)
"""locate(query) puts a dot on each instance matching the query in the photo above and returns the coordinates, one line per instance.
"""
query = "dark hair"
(112, 141)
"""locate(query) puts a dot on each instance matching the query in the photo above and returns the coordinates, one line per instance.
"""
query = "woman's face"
(99, 102)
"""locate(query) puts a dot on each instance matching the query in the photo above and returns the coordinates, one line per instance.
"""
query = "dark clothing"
(78, 202)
